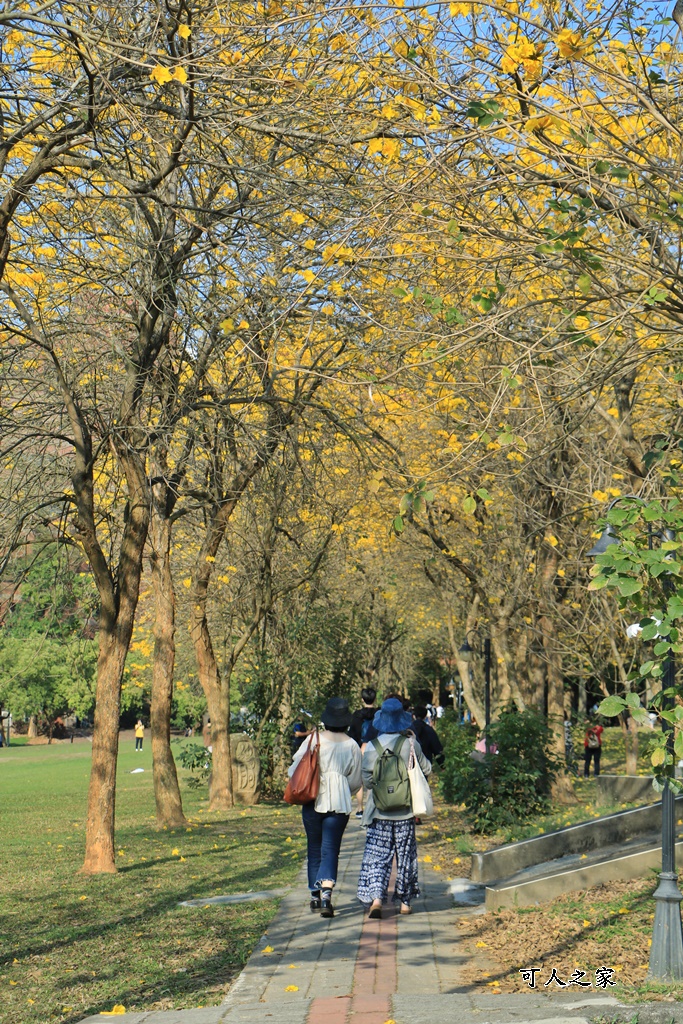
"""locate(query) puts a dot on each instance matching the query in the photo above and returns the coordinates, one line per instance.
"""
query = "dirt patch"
(608, 927)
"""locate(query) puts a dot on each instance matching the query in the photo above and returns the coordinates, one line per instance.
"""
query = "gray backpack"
(390, 781)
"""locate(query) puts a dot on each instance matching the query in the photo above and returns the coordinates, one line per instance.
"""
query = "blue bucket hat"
(391, 717)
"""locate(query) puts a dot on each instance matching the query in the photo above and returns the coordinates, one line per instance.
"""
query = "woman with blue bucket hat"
(390, 832)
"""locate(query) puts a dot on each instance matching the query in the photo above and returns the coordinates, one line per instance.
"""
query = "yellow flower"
(481, 945)
(184, 31)
(456, 860)
(82, 897)
(180, 75)
(292, 988)
(427, 859)
(600, 495)
(587, 924)
(175, 852)
(523, 54)
(535, 124)
(160, 75)
(268, 949)
(571, 44)
(623, 910)
(116, 1011)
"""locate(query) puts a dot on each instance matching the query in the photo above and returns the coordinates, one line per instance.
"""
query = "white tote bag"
(420, 793)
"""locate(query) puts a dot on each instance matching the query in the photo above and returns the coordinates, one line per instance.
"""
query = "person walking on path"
(426, 736)
(326, 817)
(390, 834)
(362, 731)
(592, 748)
(139, 734)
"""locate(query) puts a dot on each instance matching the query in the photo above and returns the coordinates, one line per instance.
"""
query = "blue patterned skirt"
(384, 841)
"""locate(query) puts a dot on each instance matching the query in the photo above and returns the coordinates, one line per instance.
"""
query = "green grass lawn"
(71, 946)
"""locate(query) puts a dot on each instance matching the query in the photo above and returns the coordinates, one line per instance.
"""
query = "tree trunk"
(217, 695)
(169, 806)
(463, 667)
(118, 603)
(508, 686)
(632, 747)
(536, 674)
(32, 727)
(553, 659)
(99, 853)
(283, 754)
(582, 709)
(220, 789)
(629, 726)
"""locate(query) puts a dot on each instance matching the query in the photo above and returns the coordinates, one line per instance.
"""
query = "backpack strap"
(397, 745)
(378, 746)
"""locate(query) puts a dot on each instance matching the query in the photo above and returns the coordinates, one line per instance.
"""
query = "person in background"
(326, 817)
(432, 747)
(592, 748)
(299, 734)
(363, 731)
(139, 734)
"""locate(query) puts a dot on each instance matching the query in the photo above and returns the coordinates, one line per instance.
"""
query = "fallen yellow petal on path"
(116, 1011)
(292, 988)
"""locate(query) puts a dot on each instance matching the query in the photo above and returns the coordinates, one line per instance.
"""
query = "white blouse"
(340, 771)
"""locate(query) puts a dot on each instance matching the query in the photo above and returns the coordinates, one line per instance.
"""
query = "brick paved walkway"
(353, 970)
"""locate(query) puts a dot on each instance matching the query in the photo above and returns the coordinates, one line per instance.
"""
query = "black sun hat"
(336, 714)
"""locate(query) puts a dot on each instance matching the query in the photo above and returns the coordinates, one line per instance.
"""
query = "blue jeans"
(324, 834)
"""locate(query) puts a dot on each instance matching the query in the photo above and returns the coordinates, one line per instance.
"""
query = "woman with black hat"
(326, 817)
(391, 833)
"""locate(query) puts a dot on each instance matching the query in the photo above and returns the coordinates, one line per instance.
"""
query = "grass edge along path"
(72, 946)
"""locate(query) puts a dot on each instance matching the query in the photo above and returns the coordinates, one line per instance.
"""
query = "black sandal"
(375, 912)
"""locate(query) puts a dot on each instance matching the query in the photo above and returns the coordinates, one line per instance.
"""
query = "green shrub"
(507, 787)
(197, 758)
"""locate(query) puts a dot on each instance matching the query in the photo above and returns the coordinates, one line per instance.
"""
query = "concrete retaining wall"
(507, 860)
(537, 890)
(626, 789)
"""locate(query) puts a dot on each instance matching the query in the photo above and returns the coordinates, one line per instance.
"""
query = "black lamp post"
(666, 953)
(466, 652)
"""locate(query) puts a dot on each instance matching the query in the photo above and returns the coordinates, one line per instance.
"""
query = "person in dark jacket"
(432, 747)
(363, 731)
